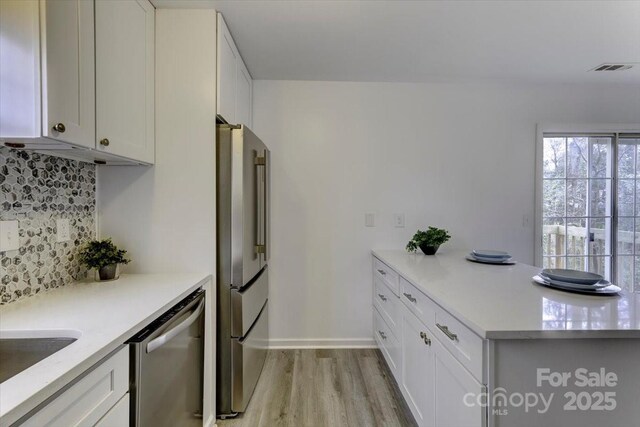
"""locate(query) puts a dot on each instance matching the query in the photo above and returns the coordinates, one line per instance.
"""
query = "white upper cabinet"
(68, 88)
(227, 59)
(244, 95)
(76, 73)
(235, 85)
(125, 36)
(47, 84)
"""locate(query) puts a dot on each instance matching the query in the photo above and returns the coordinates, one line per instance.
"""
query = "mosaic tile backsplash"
(36, 191)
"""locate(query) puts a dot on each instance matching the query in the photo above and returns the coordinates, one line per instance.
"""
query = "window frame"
(598, 129)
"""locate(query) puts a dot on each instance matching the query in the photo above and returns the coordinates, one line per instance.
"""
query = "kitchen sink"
(18, 354)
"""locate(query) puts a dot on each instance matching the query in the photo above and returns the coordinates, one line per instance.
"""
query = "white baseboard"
(290, 343)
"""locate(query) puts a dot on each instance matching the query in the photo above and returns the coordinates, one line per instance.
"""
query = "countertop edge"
(31, 403)
(511, 334)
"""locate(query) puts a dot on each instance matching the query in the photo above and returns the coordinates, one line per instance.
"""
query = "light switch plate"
(369, 219)
(9, 237)
(63, 232)
(398, 220)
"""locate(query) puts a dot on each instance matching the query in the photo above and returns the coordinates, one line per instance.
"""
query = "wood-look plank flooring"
(318, 388)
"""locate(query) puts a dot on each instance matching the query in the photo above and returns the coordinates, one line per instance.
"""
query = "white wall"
(165, 215)
(459, 156)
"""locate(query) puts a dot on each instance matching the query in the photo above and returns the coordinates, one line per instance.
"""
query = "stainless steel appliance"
(166, 369)
(243, 252)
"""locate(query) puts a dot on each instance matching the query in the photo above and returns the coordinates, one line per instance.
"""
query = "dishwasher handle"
(172, 333)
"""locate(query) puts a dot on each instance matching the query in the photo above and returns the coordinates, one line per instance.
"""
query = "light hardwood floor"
(318, 388)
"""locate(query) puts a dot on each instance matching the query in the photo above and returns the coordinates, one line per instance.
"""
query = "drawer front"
(387, 342)
(88, 400)
(386, 273)
(387, 304)
(465, 345)
(417, 302)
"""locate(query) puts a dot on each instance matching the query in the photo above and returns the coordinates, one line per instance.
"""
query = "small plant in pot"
(428, 241)
(105, 257)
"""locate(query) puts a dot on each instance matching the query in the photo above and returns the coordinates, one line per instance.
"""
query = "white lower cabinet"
(417, 379)
(388, 343)
(96, 395)
(440, 387)
(118, 416)
(456, 399)
(439, 391)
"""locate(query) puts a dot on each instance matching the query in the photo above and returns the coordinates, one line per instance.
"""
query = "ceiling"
(420, 41)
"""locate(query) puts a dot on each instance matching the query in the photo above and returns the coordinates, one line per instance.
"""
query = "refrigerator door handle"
(168, 336)
(261, 165)
(266, 231)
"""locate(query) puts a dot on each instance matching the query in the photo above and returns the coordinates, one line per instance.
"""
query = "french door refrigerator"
(243, 164)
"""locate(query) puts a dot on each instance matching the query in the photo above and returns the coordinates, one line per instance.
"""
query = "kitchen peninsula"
(477, 345)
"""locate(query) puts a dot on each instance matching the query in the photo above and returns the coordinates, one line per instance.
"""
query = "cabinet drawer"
(387, 304)
(465, 345)
(89, 399)
(417, 302)
(386, 273)
(387, 342)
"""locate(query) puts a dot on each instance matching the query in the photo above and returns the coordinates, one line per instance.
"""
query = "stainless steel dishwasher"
(167, 367)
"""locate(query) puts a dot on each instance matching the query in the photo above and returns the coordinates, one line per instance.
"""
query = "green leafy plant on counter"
(432, 237)
(101, 253)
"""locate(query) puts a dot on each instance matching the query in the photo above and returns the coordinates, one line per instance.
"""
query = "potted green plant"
(105, 257)
(428, 241)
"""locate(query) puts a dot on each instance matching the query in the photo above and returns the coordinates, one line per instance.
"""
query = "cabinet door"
(88, 400)
(457, 392)
(228, 58)
(118, 416)
(68, 71)
(417, 381)
(244, 98)
(125, 64)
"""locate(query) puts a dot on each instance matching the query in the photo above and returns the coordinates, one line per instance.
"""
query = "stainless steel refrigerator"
(243, 164)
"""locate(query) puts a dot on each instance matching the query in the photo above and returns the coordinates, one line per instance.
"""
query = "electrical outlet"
(63, 232)
(9, 237)
(398, 220)
(369, 219)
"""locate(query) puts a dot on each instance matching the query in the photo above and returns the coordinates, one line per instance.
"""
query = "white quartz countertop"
(502, 302)
(102, 316)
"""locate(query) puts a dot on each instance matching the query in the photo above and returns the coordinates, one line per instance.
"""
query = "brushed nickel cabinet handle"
(383, 335)
(384, 273)
(382, 297)
(104, 142)
(59, 127)
(409, 297)
(445, 330)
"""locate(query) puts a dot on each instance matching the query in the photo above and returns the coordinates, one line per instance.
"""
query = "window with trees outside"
(591, 205)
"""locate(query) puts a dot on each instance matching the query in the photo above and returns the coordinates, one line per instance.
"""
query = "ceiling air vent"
(612, 67)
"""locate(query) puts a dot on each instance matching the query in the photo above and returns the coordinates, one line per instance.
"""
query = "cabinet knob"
(59, 127)
(426, 339)
(383, 335)
(382, 297)
(104, 142)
